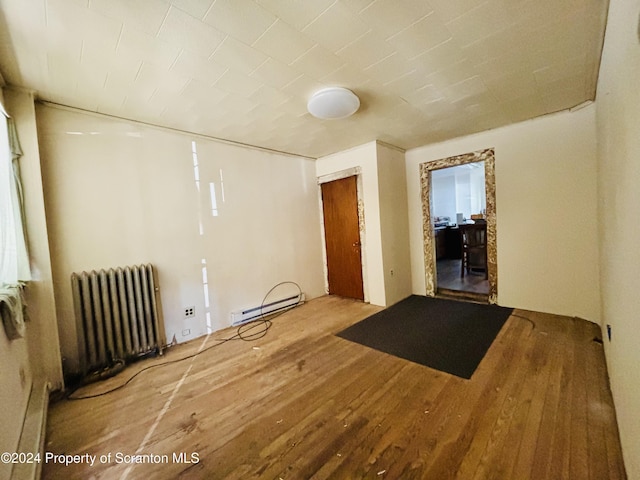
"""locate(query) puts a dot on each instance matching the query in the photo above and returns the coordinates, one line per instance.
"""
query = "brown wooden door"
(342, 237)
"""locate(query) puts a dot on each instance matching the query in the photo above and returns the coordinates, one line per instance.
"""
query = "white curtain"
(14, 257)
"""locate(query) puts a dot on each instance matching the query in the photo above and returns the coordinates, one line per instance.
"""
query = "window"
(14, 259)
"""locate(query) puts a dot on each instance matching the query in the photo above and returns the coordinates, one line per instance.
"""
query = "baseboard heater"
(249, 314)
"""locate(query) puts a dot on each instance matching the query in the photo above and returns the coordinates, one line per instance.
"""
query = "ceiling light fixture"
(333, 103)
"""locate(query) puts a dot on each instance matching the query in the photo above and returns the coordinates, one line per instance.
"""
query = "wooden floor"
(448, 275)
(302, 403)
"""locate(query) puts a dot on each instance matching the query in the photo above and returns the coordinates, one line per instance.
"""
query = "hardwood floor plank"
(505, 462)
(303, 403)
(539, 375)
(603, 429)
(497, 427)
(551, 449)
(578, 450)
(477, 412)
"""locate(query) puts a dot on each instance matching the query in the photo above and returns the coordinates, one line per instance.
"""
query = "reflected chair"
(474, 248)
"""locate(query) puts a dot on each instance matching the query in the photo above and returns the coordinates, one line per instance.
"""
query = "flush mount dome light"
(332, 103)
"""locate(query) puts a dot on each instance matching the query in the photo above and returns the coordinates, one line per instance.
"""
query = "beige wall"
(16, 379)
(36, 358)
(618, 121)
(386, 223)
(364, 158)
(546, 204)
(394, 221)
(119, 193)
(43, 332)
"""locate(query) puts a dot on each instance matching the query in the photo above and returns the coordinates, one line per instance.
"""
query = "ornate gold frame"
(488, 156)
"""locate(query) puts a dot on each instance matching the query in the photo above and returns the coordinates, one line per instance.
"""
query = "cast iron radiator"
(118, 315)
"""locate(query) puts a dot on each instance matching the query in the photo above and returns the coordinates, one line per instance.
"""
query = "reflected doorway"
(429, 224)
(458, 203)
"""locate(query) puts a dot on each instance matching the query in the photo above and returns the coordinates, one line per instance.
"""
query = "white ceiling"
(243, 70)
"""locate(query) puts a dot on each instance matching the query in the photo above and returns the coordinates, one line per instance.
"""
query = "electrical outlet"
(186, 332)
(189, 312)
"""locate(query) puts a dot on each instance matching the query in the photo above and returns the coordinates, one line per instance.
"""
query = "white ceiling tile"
(142, 46)
(238, 83)
(423, 95)
(390, 68)
(195, 8)
(465, 27)
(391, 16)
(562, 99)
(71, 46)
(149, 111)
(197, 91)
(554, 47)
(575, 83)
(448, 10)
(373, 104)
(509, 64)
(167, 62)
(482, 103)
(63, 71)
(410, 82)
(193, 66)
(182, 30)
(550, 34)
(571, 67)
(366, 50)
(528, 12)
(356, 6)
(511, 86)
(469, 87)
(121, 75)
(439, 57)
(25, 15)
(490, 60)
(65, 19)
(244, 20)
(520, 108)
(531, 13)
(146, 16)
(163, 99)
(451, 74)
(28, 34)
(110, 103)
(236, 107)
(91, 78)
(234, 54)
(267, 95)
(283, 42)
(152, 77)
(336, 27)
(301, 90)
(318, 62)
(55, 14)
(297, 13)
(275, 74)
(420, 37)
(347, 76)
